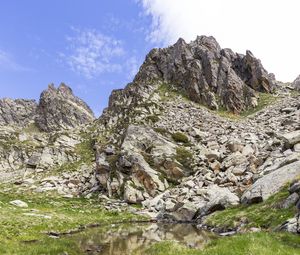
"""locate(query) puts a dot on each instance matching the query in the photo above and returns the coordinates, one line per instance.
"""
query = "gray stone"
(271, 183)
(17, 112)
(19, 203)
(291, 138)
(291, 200)
(60, 109)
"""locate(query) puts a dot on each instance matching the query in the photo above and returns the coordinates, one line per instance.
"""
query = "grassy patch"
(184, 157)
(167, 92)
(21, 234)
(247, 244)
(162, 131)
(180, 137)
(32, 128)
(266, 215)
(152, 118)
(264, 100)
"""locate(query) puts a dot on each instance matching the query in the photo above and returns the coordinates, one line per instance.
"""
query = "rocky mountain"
(198, 130)
(60, 109)
(57, 109)
(34, 136)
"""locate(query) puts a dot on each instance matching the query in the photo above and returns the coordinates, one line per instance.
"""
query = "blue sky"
(93, 46)
(98, 45)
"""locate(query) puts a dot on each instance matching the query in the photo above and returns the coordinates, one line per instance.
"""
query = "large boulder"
(60, 109)
(291, 138)
(19, 112)
(271, 183)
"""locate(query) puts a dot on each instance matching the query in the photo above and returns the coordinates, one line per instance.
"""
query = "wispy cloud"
(8, 63)
(91, 53)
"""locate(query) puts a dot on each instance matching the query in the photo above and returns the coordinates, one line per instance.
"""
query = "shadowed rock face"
(17, 112)
(60, 109)
(208, 74)
(296, 83)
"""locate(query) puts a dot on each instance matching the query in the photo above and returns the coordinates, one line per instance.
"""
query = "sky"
(96, 46)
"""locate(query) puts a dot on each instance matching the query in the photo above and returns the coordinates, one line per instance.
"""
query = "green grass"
(265, 215)
(264, 100)
(21, 234)
(152, 118)
(184, 157)
(180, 137)
(162, 131)
(262, 243)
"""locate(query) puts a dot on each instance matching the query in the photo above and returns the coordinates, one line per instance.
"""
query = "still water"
(127, 239)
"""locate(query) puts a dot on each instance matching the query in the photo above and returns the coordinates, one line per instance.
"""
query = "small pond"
(127, 239)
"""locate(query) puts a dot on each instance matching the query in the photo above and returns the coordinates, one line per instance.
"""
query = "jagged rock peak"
(19, 112)
(60, 109)
(208, 74)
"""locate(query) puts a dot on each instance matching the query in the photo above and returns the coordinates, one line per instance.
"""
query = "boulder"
(291, 138)
(19, 203)
(271, 183)
(217, 198)
(292, 225)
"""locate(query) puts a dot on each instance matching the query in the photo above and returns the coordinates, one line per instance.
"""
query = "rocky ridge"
(18, 112)
(60, 109)
(57, 109)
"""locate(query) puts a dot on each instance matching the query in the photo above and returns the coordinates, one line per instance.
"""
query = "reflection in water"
(125, 239)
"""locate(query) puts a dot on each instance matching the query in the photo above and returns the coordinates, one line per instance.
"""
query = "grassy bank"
(262, 243)
(267, 215)
(23, 230)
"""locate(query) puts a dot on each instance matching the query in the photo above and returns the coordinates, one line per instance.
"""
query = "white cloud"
(8, 63)
(91, 53)
(268, 28)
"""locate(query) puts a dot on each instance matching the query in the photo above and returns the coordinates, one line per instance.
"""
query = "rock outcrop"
(17, 112)
(57, 109)
(60, 109)
(208, 74)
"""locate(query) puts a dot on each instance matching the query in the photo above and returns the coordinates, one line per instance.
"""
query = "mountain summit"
(208, 74)
(60, 109)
